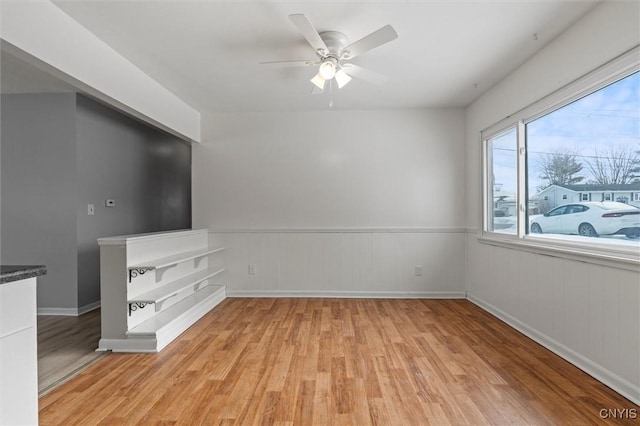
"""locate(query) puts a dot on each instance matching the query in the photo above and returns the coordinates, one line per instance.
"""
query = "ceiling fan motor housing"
(335, 42)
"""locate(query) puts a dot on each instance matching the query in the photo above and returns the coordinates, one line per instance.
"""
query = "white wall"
(589, 314)
(335, 202)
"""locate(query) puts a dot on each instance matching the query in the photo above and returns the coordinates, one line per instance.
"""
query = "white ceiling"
(208, 52)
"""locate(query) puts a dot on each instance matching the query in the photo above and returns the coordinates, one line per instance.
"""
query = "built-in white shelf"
(173, 271)
(164, 318)
(171, 289)
(167, 261)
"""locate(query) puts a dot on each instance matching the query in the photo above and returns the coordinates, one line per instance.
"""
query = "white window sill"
(602, 252)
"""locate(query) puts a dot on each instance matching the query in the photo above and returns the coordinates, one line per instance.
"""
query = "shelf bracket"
(136, 305)
(134, 272)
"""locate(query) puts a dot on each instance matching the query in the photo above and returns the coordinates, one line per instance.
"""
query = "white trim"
(70, 312)
(88, 308)
(615, 382)
(589, 253)
(147, 345)
(349, 294)
(64, 312)
(142, 238)
(337, 230)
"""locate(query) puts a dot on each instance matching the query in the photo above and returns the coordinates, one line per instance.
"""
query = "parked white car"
(589, 219)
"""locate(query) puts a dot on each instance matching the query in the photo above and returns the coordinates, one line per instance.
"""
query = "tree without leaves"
(614, 166)
(636, 169)
(560, 167)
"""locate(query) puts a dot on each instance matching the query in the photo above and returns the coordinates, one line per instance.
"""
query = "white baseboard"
(349, 294)
(615, 382)
(88, 308)
(69, 312)
(149, 345)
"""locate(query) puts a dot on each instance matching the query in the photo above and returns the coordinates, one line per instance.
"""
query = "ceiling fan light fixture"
(342, 78)
(318, 81)
(327, 69)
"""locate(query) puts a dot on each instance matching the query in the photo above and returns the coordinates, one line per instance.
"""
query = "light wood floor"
(336, 361)
(65, 345)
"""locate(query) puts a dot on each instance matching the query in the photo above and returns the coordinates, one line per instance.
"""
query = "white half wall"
(587, 313)
(335, 202)
(43, 35)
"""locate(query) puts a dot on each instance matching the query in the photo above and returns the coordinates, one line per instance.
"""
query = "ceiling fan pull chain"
(330, 93)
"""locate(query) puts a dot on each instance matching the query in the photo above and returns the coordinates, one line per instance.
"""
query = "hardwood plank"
(337, 361)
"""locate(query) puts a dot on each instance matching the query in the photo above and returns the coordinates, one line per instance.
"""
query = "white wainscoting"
(344, 262)
(587, 313)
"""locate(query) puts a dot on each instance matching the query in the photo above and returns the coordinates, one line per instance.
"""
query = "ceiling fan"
(332, 49)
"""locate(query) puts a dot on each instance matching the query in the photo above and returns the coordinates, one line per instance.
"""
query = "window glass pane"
(587, 153)
(502, 185)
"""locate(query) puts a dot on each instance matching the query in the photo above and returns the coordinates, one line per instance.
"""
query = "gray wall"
(38, 190)
(146, 172)
(62, 152)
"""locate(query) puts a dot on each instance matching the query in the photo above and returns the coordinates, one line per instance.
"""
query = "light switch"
(110, 203)
(91, 209)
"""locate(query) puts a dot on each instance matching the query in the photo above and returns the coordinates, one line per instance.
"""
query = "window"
(502, 160)
(584, 140)
(557, 211)
(591, 142)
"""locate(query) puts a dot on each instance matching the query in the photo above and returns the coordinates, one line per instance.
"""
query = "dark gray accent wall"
(38, 190)
(61, 152)
(147, 172)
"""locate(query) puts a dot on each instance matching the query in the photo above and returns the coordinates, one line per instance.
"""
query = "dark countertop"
(10, 273)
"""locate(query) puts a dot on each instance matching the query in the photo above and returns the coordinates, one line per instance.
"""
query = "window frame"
(617, 69)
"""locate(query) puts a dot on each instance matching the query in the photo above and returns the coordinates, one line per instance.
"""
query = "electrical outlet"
(418, 271)
(252, 269)
(91, 209)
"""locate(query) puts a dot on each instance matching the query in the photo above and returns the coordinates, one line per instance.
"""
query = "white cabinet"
(155, 286)
(18, 353)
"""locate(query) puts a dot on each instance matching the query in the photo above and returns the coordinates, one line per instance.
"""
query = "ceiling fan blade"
(364, 74)
(307, 29)
(291, 63)
(373, 40)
